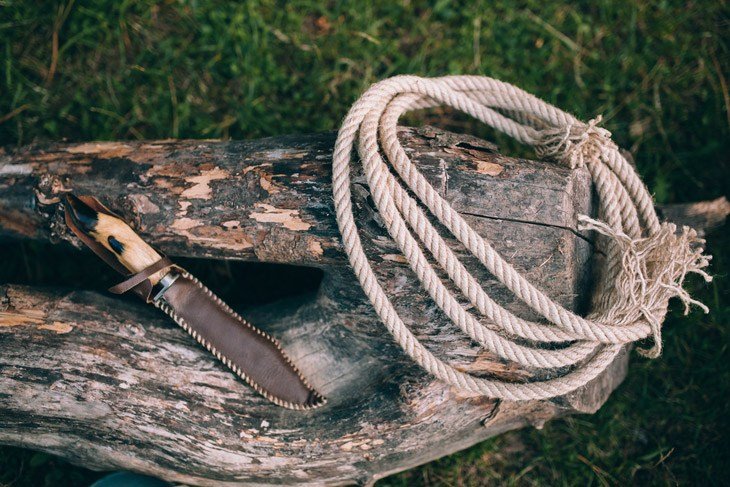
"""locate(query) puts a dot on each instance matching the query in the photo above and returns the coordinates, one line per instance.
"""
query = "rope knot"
(574, 144)
(653, 270)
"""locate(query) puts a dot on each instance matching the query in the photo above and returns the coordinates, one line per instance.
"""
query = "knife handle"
(114, 235)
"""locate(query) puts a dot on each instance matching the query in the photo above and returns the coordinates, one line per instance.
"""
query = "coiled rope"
(646, 261)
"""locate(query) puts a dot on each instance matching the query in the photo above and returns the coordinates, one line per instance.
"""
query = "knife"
(249, 352)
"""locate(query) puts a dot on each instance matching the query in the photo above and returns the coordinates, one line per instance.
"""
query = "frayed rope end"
(653, 270)
(573, 144)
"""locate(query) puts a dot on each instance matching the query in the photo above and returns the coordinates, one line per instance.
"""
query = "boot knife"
(250, 353)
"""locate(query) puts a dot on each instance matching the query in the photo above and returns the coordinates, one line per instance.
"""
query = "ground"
(114, 69)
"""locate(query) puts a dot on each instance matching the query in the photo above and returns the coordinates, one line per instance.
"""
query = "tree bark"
(110, 383)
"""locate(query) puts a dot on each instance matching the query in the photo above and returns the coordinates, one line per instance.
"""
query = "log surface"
(111, 383)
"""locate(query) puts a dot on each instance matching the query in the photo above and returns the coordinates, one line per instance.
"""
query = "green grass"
(127, 70)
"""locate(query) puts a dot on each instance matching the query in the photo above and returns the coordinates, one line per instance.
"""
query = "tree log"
(110, 383)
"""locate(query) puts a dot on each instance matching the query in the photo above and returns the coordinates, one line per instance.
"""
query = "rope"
(646, 262)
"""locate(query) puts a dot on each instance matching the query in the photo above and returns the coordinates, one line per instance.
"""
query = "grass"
(119, 69)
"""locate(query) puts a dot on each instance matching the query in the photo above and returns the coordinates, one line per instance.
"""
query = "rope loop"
(645, 266)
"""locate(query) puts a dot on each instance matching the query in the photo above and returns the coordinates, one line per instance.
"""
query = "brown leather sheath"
(249, 352)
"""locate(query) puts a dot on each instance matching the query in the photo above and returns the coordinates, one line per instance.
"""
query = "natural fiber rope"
(646, 261)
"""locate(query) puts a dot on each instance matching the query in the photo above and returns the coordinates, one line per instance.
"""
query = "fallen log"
(110, 384)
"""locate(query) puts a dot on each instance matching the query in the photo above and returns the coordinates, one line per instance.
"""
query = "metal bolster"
(165, 284)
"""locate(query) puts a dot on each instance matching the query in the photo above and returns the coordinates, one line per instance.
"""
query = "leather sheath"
(249, 352)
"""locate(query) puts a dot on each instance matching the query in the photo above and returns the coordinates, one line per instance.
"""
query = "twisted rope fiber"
(646, 261)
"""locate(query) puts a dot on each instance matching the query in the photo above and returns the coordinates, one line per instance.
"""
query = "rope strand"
(646, 261)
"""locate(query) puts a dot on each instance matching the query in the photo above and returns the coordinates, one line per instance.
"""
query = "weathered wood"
(110, 383)
(703, 216)
(267, 200)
